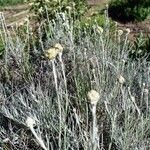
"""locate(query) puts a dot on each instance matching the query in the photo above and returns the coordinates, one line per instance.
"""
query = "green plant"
(45, 8)
(10, 2)
(97, 19)
(129, 10)
(141, 48)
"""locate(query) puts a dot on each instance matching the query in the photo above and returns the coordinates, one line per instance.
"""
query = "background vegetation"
(129, 10)
(10, 2)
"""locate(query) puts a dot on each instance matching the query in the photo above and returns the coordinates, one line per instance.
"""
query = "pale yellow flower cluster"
(120, 32)
(30, 122)
(93, 97)
(54, 51)
(99, 30)
(40, 10)
(121, 79)
(146, 91)
(127, 31)
(31, 4)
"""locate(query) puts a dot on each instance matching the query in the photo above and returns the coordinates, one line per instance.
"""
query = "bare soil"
(15, 14)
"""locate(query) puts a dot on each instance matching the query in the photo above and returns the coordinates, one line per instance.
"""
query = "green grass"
(10, 2)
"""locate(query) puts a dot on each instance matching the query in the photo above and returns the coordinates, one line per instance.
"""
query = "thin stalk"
(65, 80)
(94, 128)
(39, 140)
(59, 103)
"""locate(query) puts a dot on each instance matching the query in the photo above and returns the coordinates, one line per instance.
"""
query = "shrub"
(129, 10)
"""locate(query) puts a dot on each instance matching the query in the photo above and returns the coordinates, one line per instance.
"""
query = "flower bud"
(121, 79)
(146, 91)
(128, 30)
(30, 122)
(51, 53)
(59, 47)
(99, 29)
(93, 97)
(120, 32)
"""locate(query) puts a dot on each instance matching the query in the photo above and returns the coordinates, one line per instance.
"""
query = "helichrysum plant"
(55, 98)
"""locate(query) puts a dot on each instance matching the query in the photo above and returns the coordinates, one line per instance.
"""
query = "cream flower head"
(93, 97)
(99, 29)
(146, 91)
(120, 32)
(51, 53)
(128, 30)
(107, 6)
(40, 10)
(31, 4)
(121, 79)
(30, 122)
(59, 47)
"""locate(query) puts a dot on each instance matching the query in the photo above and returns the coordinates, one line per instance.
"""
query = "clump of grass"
(54, 91)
